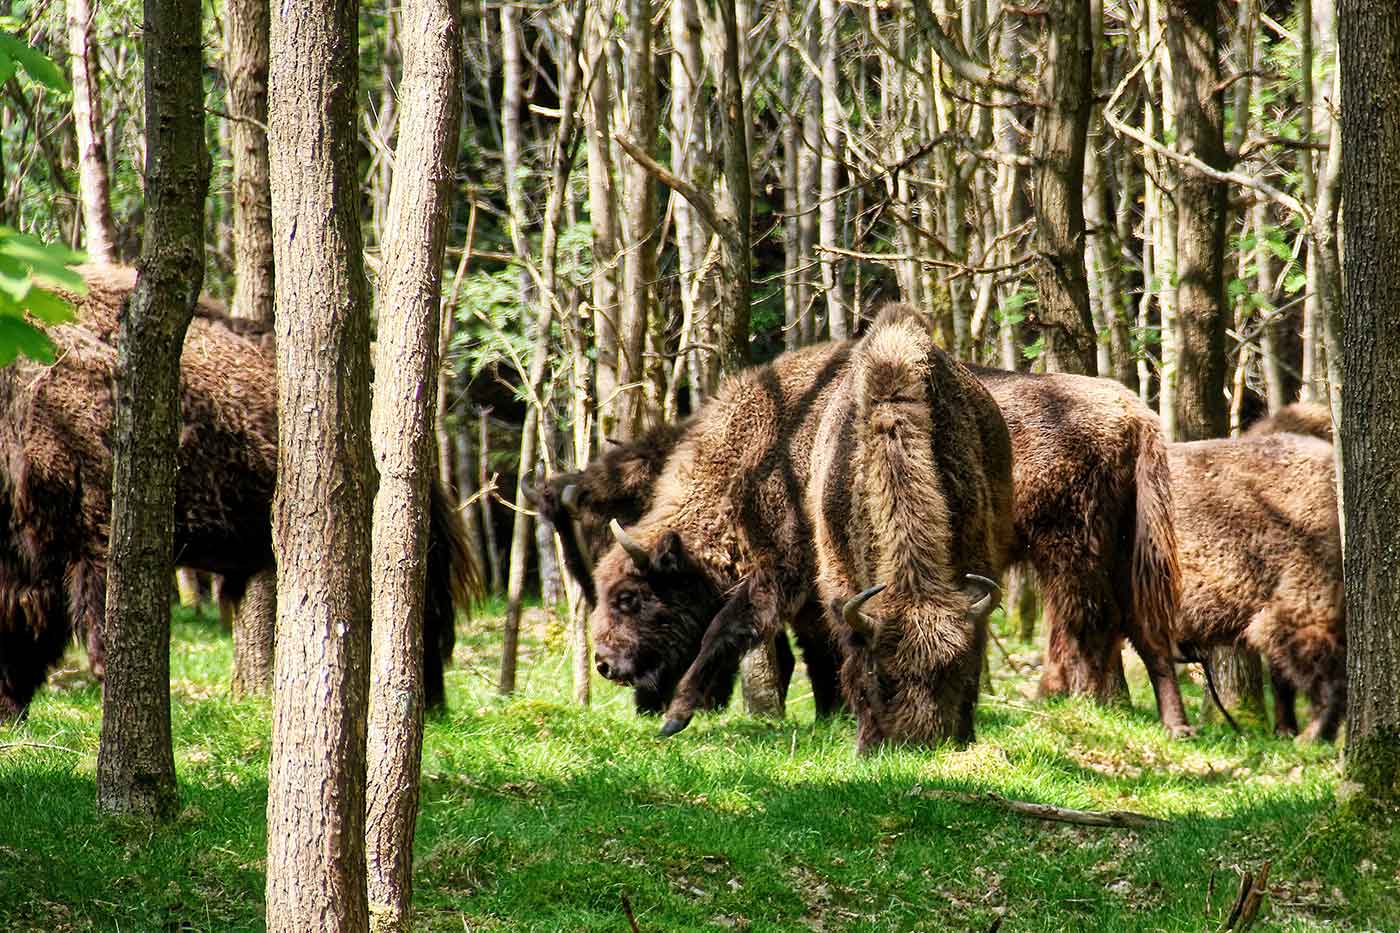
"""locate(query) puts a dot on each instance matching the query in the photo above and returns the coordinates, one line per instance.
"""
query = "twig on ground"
(631, 917)
(58, 748)
(1122, 819)
(1245, 911)
(1015, 665)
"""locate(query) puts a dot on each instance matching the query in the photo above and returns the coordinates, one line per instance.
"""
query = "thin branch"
(1121, 819)
(963, 64)
(697, 198)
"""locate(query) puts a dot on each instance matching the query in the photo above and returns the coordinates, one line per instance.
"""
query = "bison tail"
(1156, 570)
(453, 581)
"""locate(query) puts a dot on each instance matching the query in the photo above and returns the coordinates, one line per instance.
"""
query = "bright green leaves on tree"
(28, 268)
(15, 53)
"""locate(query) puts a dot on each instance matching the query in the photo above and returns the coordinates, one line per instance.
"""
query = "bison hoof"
(1181, 731)
(672, 726)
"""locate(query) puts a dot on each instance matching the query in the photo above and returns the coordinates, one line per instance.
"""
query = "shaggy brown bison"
(1094, 518)
(785, 489)
(55, 480)
(1307, 418)
(1261, 564)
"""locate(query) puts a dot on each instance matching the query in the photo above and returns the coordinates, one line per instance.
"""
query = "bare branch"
(697, 198)
(963, 64)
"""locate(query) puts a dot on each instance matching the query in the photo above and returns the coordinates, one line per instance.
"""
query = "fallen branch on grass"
(1251, 894)
(58, 748)
(1122, 819)
(631, 917)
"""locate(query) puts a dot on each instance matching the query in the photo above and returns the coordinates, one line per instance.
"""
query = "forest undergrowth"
(542, 816)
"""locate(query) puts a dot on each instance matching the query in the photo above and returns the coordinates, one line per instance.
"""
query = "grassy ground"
(538, 815)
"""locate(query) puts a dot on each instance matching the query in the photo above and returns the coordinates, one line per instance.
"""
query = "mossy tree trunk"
(135, 764)
(1370, 62)
(325, 476)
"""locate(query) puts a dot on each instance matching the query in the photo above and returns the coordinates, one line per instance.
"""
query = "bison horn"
(569, 497)
(639, 554)
(852, 614)
(984, 593)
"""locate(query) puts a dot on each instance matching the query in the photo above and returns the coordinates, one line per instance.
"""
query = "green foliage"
(537, 816)
(491, 321)
(26, 267)
(15, 53)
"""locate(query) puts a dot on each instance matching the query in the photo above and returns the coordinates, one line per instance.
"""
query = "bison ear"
(668, 555)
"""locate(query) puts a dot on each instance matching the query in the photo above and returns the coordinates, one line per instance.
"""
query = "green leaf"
(15, 281)
(48, 307)
(48, 262)
(7, 67)
(1034, 350)
(39, 66)
(18, 336)
(1294, 283)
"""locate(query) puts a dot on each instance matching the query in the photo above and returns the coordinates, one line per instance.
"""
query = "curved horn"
(984, 593)
(569, 498)
(852, 614)
(639, 554)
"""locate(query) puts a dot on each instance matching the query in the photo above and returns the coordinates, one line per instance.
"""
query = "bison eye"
(627, 603)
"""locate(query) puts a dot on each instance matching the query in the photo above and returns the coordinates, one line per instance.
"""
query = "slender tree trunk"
(809, 162)
(135, 764)
(402, 418)
(639, 218)
(1370, 62)
(1191, 38)
(837, 310)
(602, 207)
(488, 523)
(325, 477)
(99, 230)
(1061, 128)
(254, 618)
(187, 587)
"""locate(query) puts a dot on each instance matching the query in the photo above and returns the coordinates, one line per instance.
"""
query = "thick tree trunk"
(135, 764)
(325, 477)
(1061, 128)
(1191, 37)
(402, 419)
(1370, 62)
(94, 187)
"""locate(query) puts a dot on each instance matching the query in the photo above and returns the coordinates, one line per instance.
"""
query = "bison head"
(912, 669)
(654, 605)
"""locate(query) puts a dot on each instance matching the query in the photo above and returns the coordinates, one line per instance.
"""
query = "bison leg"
(1328, 712)
(34, 630)
(1285, 702)
(1084, 644)
(738, 626)
(1162, 674)
(823, 669)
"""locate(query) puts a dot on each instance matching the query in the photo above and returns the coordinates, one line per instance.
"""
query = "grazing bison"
(1261, 562)
(1308, 418)
(618, 486)
(55, 487)
(1094, 518)
(779, 494)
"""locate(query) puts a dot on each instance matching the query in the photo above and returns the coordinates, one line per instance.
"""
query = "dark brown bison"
(1094, 518)
(783, 492)
(1261, 564)
(1307, 418)
(55, 480)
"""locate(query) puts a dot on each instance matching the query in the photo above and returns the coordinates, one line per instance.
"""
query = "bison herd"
(865, 495)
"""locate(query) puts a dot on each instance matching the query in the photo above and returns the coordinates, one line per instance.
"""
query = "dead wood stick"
(627, 909)
(1122, 819)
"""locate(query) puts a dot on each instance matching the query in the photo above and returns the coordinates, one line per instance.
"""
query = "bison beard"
(1261, 565)
(55, 476)
(728, 551)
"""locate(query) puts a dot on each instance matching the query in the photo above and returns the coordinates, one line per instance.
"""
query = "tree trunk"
(1061, 128)
(402, 419)
(253, 617)
(1191, 37)
(135, 764)
(602, 205)
(1370, 62)
(325, 476)
(638, 219)
(187, 587)
(837, 312)
(245, 63)
(488, 522)
(99, 230)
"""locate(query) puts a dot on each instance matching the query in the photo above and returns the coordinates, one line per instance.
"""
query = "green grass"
(538, 815)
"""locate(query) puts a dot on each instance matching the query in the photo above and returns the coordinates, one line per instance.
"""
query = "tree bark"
(94, 186)
(325, 476)
(1202, 410)
(602, 207)
(245, 62)
(402, 419)
(488, 523)
(1057, 148)
(1370, 63)
(638, 220)
(253, 617)
(837, 311)
(135, 763)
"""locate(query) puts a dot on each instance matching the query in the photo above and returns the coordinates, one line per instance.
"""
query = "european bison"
(55, 481)
(1307, 418)
(1261, 563)
(779, 494)
(1094, 518)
